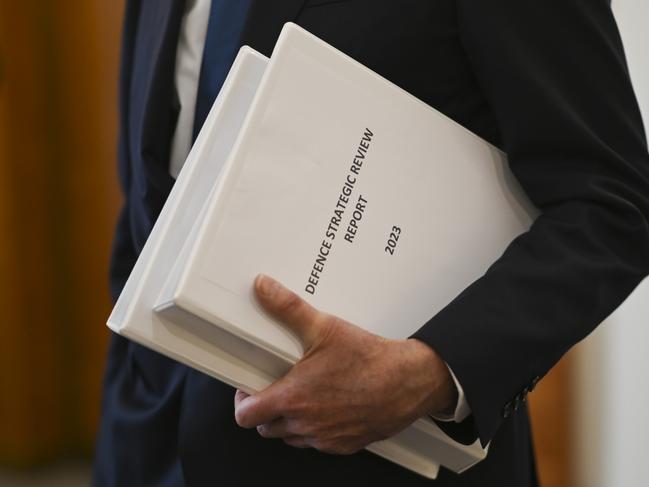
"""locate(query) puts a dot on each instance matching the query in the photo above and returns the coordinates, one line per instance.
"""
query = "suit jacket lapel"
(265, 21)
(152, 110)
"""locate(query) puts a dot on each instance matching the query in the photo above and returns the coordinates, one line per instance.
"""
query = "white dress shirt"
(189, 54)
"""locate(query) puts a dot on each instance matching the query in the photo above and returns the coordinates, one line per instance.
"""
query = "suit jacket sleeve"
(555, 75)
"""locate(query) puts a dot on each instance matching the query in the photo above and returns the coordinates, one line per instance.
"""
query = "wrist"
(439, 390)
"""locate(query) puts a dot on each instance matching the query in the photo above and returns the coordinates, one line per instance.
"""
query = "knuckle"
(307, 428)
(329, 327)
(350, 450)
(239, 417)
(300, 428)
(264, 431)
(304, 427)
(319, 445)
(286, 399)
(337, 449)
(335, 324)
(325, 446)
(296, 442)
(326, 321)
(335, 446)
(242, 418)
(293, 401)
(341, 448)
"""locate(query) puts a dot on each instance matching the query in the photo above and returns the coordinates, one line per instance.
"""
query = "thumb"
(286, 306)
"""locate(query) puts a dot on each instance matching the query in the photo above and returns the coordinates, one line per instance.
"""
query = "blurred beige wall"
(610, 418)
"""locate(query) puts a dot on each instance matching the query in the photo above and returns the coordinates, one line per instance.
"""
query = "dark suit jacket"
(546, 81)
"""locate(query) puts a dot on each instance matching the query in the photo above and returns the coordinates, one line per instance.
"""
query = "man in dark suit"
(545, 81)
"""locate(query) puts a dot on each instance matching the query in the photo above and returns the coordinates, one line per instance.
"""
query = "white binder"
(260, 192)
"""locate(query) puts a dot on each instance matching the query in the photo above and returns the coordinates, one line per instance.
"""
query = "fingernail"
(268, 286)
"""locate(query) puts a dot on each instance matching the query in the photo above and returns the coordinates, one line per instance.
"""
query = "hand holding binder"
(340, 397)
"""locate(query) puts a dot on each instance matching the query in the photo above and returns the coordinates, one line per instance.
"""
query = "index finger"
(260, 408)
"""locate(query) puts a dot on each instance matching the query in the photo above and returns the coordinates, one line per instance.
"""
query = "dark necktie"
(224, 29)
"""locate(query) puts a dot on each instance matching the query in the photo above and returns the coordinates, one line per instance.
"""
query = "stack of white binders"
(367, 202)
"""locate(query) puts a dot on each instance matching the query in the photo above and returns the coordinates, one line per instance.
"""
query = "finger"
(297, 441)
(263, 407)
(239, 396)
(280, 428)
(289, 308)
